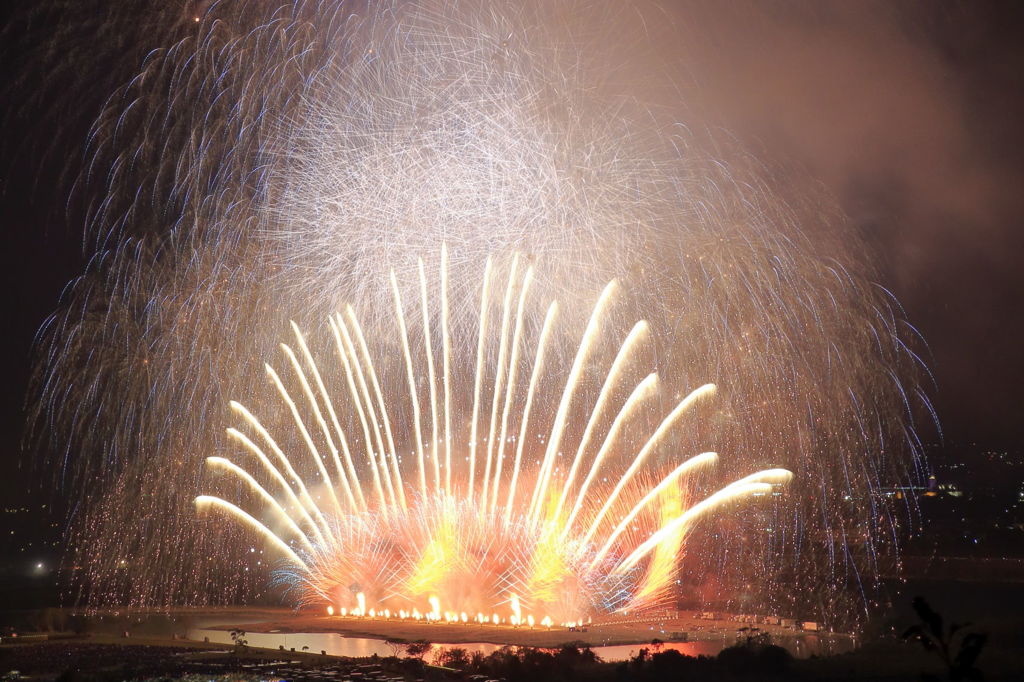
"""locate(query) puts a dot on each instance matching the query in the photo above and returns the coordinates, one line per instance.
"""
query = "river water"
(335, 644)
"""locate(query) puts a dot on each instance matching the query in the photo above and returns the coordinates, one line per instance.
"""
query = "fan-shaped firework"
(544, 533)
(277, 158)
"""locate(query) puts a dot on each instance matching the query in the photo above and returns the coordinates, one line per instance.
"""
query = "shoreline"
(626, 633)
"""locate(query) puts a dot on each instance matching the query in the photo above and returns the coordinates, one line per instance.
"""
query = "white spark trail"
(381, 404)
(323, 531)
(635, 336)
(649, 446)
(431, 377)
(269, 500)
(277, 476)
(642, 391)
(506, 313)
(447, 349)
(478, 379)
(203, 501)
(413, 393)
(349, 477)
(727, 494)
(555, 441)
(701, 460)
(348, 358)
(311, 399)
(513, 372)
(535, 375)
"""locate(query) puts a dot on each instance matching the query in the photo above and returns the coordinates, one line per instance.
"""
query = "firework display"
(272, 162)
(561, 537)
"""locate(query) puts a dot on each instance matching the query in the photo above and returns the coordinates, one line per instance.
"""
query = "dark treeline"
(753, 655)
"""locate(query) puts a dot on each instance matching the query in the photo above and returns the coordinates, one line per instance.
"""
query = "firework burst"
(504, 519)
(269, 161)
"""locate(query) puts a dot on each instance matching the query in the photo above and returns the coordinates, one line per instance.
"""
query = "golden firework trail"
(517, 544)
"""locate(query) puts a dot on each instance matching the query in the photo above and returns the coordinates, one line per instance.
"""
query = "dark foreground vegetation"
(929, 649)
(572, 662)
(86, 661)
(90, 662)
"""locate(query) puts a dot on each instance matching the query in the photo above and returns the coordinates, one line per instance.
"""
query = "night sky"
(908, 113)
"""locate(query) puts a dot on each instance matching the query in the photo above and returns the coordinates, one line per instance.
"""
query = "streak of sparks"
(466, 551)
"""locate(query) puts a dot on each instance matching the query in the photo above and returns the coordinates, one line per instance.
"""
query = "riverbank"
(676, 627)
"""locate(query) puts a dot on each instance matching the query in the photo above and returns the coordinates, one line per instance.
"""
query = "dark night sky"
(910, 113)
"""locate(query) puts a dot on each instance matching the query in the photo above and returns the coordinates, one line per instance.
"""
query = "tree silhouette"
(958, 649)
(454, 657)
(238, 637)
(417, 649)
(397, 645)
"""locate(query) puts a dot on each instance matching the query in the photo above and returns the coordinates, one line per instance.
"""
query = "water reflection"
(335, 644)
